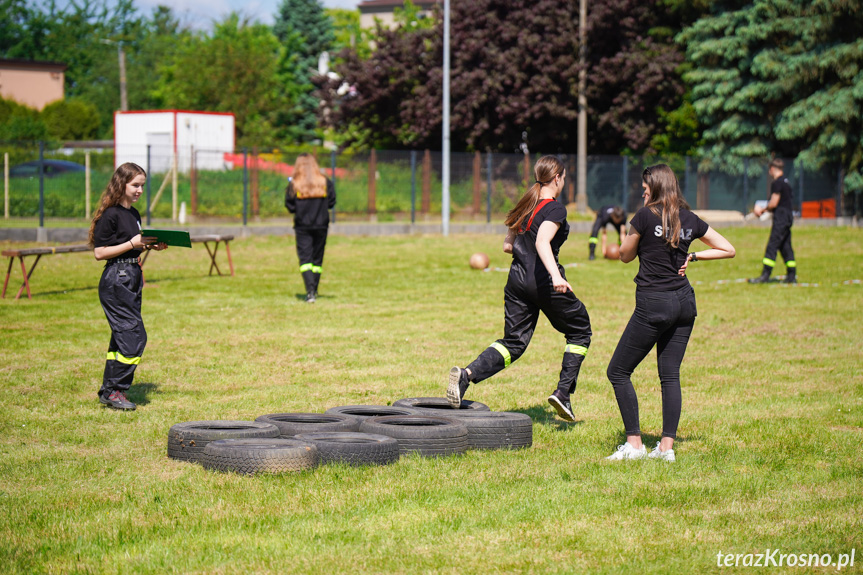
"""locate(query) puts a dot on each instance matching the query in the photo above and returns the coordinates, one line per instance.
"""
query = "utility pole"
(581, 184)
(121, 62)
(446, 132)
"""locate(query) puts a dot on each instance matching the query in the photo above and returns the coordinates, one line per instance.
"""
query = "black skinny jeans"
(664, 319)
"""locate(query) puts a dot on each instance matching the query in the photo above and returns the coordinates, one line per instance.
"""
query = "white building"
(210, 135)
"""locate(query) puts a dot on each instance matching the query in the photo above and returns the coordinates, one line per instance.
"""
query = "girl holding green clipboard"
(115, 235)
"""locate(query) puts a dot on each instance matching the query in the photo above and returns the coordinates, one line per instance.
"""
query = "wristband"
(693, 257)
(131, 244)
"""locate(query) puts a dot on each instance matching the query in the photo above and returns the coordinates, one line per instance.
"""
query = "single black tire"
(263, 455)
(439, 406)
(363, 412)
(186, 441)
(427, 436)
(353, 448)
(291, 424)
(496, 429)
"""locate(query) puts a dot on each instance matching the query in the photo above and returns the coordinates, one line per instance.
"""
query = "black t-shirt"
(658, 263)
(116, 226)
(553, 211)
(782, 187)
(603, 218)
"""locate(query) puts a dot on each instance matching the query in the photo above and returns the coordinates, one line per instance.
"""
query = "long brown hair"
(665, 200)
(546, 168)
(308, 182)
(115, 190)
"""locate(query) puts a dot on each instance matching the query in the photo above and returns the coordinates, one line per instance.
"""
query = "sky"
(199, 13)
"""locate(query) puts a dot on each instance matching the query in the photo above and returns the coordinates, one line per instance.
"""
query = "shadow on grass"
(545, 415)
(650, 439)
(302, 296)
(140, 393)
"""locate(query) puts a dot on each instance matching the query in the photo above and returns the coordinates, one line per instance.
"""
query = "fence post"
(333, 173)
(41, 233)
(193, 182)
(801, 187)
(686, 169)
(477, 183)
(87, 185)
(148, 185)
(840, 211)
(174, 207)
(426, 205)
(413, 186)
(41, 184)
(373, 168)
(488, 186)
(625, 193)
(256, 202)
(702, 192)
(570, 182)
(526, 169)
(6, 185)
(745, 186)
(245, 187)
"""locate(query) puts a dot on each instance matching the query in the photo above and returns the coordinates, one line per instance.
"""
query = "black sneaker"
(311, 297)
(790, 279)
(457, 386)
(117, 400)
(562, 405)
(762, 279)
(591, 257)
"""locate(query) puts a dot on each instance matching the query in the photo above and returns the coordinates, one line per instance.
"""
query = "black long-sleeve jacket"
(310, 213)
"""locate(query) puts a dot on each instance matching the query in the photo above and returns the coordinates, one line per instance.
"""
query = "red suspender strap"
(536, 211)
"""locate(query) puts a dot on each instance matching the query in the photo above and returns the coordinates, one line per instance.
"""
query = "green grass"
(769, 450)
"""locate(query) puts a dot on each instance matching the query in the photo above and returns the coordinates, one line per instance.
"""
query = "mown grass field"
(769, 449)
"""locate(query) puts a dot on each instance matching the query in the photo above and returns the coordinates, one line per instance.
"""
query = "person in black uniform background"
(607, 215)
(309, 196)
(660, 234)
(537, 228)
(115, 234)
(781, 204)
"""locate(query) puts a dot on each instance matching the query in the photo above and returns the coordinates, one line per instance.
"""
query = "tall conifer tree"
(305, 32)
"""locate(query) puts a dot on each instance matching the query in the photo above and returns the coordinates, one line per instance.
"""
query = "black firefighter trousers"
(523, 300)
(120, 295)
(310, 251)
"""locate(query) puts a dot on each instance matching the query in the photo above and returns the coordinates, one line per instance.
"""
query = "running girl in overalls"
(115, 235)
(537, 228)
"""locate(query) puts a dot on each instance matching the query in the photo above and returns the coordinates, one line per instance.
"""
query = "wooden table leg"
(228, 249)
(8, 273)
(212, 253)
(27, 275)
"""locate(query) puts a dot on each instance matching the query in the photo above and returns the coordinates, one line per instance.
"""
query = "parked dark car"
(51, 168)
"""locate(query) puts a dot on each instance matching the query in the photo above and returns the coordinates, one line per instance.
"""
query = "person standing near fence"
(115, 234)
(537, 282)
(309, 196)
(781, 204)
(660, 234)
(607, 215)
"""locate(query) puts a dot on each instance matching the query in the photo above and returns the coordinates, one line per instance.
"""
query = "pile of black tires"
(350, 434)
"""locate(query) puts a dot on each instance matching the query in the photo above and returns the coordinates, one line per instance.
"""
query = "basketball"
(612, 252)
(479, 261)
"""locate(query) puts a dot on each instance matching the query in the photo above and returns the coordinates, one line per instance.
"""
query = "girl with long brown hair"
(660, 234)
(309, 196)
(115, 234)
(537, 282)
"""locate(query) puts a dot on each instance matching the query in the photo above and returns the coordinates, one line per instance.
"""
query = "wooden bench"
(39, 252)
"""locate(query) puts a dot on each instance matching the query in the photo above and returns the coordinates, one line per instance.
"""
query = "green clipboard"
(178, 238)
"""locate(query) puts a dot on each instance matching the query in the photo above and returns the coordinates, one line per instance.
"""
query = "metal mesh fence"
(385, 185)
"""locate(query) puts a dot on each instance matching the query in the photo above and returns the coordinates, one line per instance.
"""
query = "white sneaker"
(665, 455)
(627, 451)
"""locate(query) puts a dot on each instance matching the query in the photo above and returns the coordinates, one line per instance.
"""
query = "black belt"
(122, 261)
